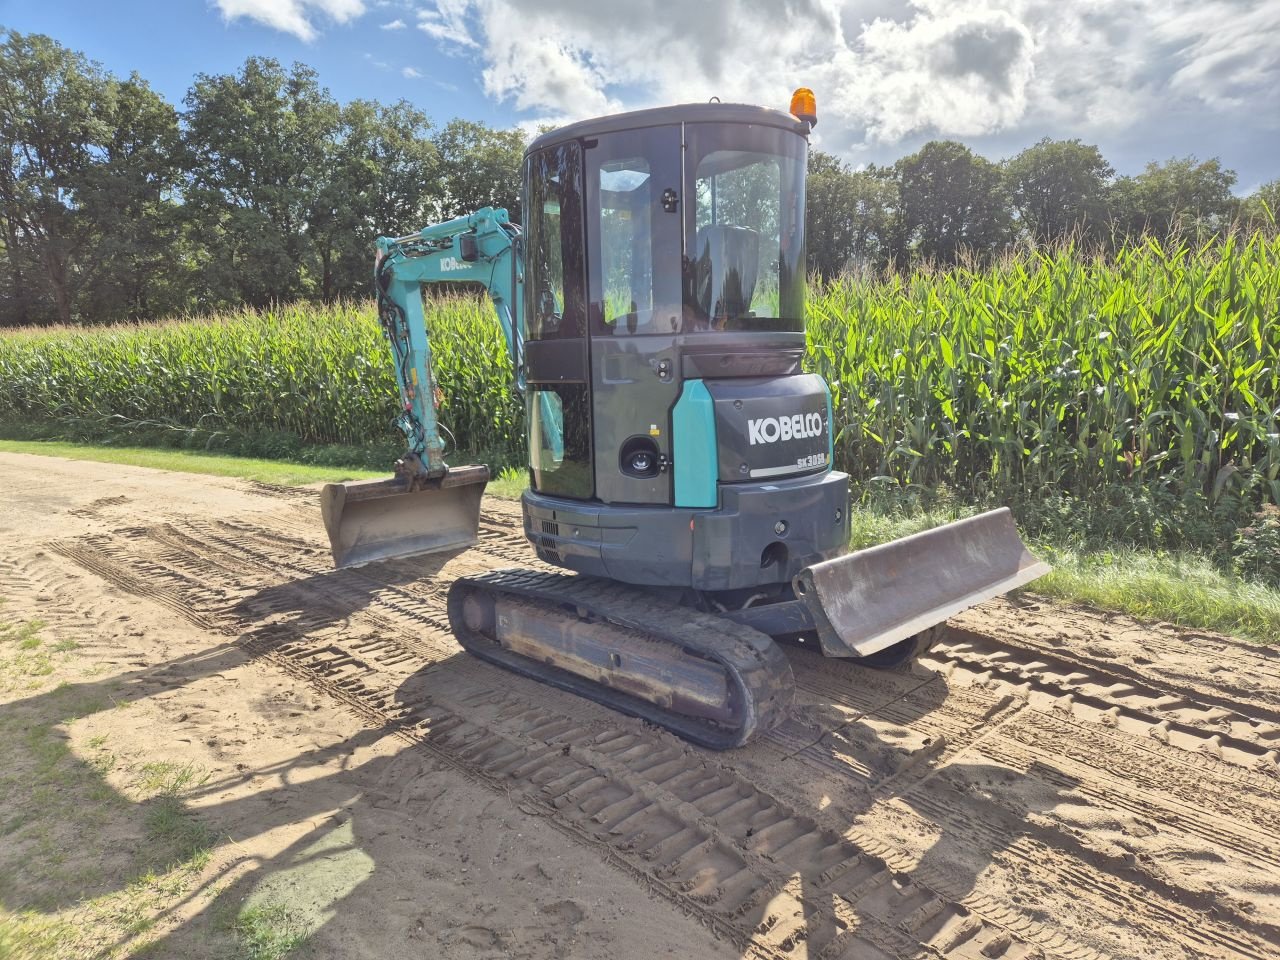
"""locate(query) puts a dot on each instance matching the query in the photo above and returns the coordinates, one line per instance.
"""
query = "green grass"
(1179, 587)
(179, 841)
(31, 935)
(191, 461)
(24, 659)
(66, 887)
(164, 778)
(507, 485)
(270, 931)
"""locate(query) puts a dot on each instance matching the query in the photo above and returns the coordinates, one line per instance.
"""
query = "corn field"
(321, 374)
(1044, 372)
(1058, 373)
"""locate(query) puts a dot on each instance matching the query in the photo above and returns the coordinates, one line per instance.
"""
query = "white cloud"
(291, 16)
(965, 71)
(1226, 50)
(396, 24)
(446, 23)
(884, 70)
(411, 73)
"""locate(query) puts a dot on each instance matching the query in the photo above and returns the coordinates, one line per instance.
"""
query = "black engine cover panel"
(770, 427)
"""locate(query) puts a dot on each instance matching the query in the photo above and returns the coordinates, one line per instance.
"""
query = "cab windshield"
(744, 228)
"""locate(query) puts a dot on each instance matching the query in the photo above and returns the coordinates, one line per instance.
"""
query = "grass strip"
(193, 461)
(1180, 587)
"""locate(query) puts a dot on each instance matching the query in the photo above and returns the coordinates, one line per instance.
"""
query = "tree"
(1261, 209)
(1179, 196)
(136, 269)
(382, 180)
(1058, 187)
(848, 215)
(87, 162)
(50, 115)
(261, 148)
(479, 167)
(951, 200)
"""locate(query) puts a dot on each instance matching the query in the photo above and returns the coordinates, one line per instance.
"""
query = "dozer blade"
(369, 520)
(869, 600)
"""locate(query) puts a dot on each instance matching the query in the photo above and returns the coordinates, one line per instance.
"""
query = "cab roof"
(741, 113)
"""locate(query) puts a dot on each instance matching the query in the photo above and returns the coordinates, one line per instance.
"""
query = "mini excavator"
(679, 456)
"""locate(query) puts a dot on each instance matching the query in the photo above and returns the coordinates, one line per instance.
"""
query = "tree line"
(116, 204)
(945, 202)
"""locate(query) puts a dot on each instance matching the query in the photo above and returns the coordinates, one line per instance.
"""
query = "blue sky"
(1144, 79)
(169, 43)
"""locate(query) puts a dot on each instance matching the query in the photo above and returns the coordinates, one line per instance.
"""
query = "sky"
(1142, 79)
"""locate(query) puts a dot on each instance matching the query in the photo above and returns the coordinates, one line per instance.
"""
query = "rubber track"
(762, 686)
(1215, 738)
(1239, 731)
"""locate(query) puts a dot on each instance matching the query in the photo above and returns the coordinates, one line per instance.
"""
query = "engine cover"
(768, 428)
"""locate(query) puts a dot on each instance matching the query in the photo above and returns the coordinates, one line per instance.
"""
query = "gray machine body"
(734, 546)
(772, 517)
(776, 507)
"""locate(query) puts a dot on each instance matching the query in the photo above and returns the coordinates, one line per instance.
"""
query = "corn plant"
(1058, 372)
(318, 373)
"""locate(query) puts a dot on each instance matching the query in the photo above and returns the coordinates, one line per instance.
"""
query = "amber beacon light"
(805, 106)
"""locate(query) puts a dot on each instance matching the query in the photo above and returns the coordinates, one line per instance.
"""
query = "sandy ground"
(1050, 782)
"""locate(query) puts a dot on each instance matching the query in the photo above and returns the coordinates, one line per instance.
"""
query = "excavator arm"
(428, 506)
(482, 248)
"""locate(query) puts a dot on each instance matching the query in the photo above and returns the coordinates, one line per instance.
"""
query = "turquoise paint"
(435, 255)
(831, 429)
(693, 446)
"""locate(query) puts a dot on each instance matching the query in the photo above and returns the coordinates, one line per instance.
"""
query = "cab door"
(556, 367)
(633, 232)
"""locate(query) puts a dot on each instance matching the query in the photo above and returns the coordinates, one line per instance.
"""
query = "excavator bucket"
(869, 600)
(370, 520)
